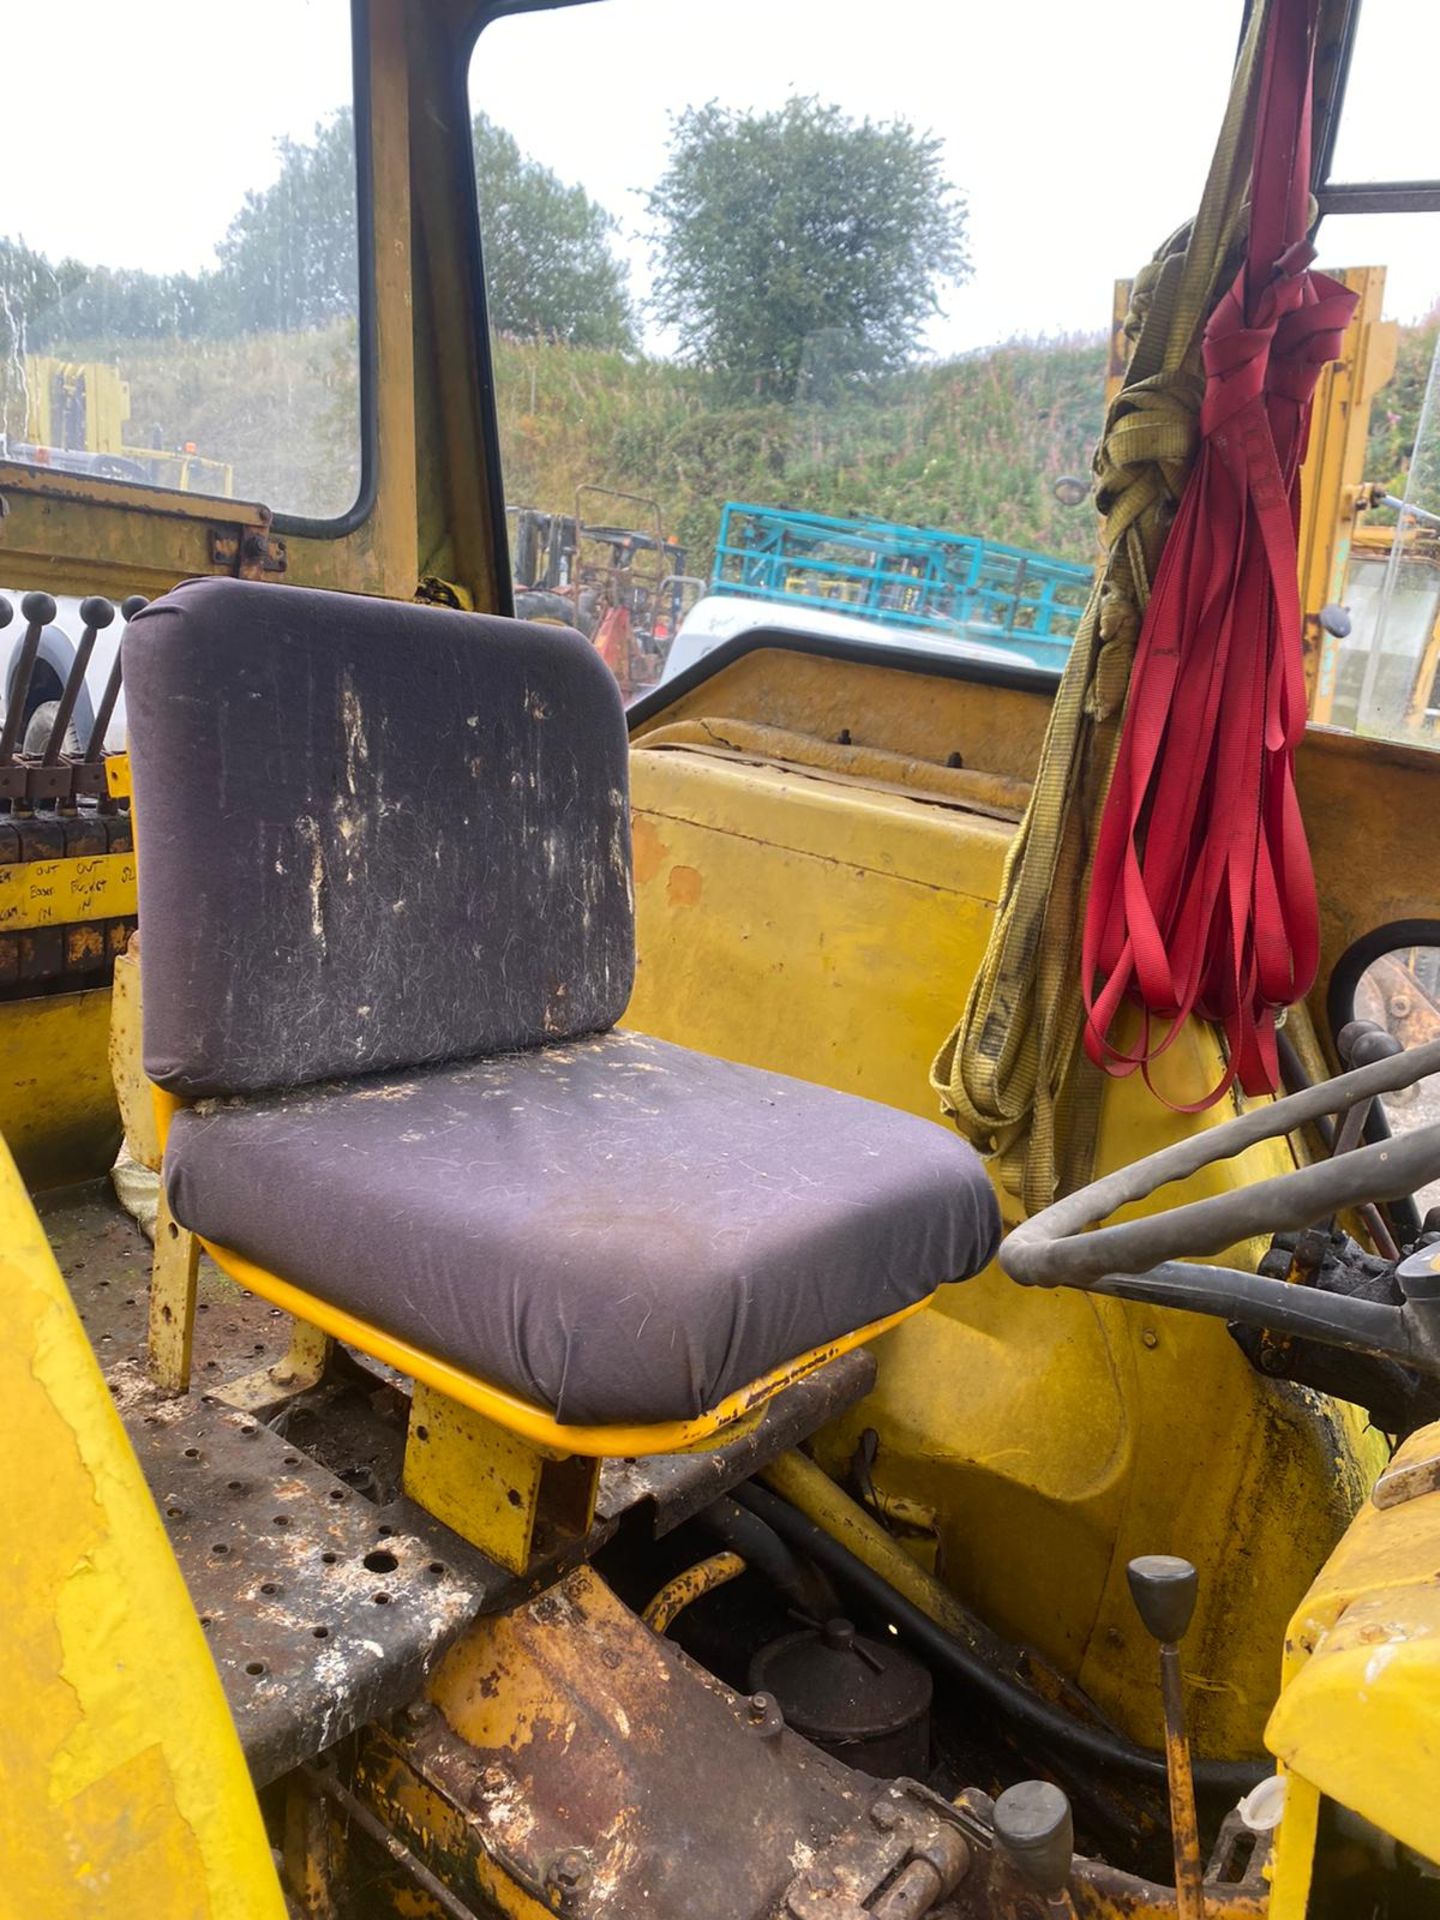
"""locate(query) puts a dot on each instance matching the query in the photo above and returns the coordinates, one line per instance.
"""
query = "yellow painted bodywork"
(798, 917)
(123, 1790)
(723, 1422)
(58, 1113)
(1330, 481)
(1359, 1715)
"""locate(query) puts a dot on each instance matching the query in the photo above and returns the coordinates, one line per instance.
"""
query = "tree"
(549, 271)
(288, 261)
(774, 230)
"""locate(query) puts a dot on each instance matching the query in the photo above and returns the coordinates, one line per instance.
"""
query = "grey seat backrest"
(370, 836)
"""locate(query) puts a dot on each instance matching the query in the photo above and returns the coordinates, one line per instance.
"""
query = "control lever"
(1035, 1830)
(37, 610)
(1163, 1588)
(96, 613)
(105, 712)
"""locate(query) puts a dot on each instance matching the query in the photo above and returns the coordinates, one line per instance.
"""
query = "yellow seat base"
(523, 1417)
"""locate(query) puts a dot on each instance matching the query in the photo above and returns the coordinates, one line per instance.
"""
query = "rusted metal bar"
(95, 746)
(96, 613)
(324, 1781)
(1184, 1824)
(1163, 1587)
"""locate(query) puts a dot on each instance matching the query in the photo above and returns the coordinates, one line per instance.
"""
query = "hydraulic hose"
(1217, 1779)
(804, 1586)
(688, 1587)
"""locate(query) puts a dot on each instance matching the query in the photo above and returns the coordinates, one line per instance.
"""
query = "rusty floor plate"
(326, 1596)
(322, 1610)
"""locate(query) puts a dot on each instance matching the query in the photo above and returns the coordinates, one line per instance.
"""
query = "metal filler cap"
(864, 1702)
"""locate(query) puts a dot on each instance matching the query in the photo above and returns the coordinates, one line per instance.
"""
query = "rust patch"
(650, 851)
(684, 887)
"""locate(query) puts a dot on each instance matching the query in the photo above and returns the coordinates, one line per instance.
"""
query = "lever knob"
(1360, 1043)
(38, 609)
(96, 612)
(7, 612)
(1034, 1826)
(1163, 1587)
(129, 608)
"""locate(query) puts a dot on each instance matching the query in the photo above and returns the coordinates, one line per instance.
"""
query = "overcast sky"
(1067, 189)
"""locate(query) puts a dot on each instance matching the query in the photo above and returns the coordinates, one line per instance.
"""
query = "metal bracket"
(173, 1279)
(299, 1369)
(902, 1860)
(250, 553)
(1407, 1480)
(500, 1492)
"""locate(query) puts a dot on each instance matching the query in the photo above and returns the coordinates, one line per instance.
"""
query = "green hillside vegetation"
(973, 444)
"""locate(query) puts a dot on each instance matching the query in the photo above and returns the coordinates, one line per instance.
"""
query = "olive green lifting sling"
(1012, 1075)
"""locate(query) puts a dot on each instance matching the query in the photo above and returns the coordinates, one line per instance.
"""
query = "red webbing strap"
(1202, 897)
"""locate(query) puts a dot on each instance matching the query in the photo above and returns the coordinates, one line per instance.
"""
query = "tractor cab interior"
(537, 1379)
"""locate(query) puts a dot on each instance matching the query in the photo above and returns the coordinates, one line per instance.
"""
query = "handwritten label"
(42, 893)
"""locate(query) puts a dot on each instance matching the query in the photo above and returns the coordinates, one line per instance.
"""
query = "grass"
(973, 444)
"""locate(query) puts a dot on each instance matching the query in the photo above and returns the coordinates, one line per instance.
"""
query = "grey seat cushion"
(371, 835)
(616, 1229)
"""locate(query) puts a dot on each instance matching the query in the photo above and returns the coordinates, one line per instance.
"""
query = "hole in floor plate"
(176, 1513)
(205, 1619)
(192, 1453)
(321, 1633)
(514, 1496)
(220, 1547)
(384, 1530)
(422, 1433)
(292, 1459)
(254, 1666)
(380, 1561)
(329, 1558)
(282, 1520)
(337, 1493)
(381, 1599)
(236, 1486)
(436, 1567)
(269, 1586)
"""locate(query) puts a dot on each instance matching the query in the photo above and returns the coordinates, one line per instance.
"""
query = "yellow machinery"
(1000, 1600)
(76, 420)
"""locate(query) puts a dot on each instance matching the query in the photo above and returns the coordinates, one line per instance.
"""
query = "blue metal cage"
(919, 578)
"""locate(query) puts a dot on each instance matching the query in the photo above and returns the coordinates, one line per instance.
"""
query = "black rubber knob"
(38, 609)
(1033, 1825)
(129, 608)
(7, 612)
(1360, 1043)
(1373, 1046)
(96, 612)
(1163, 1587)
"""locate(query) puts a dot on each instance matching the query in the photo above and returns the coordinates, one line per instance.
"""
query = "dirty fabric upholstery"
(376, 835)
(615, 1228)
(384, 882)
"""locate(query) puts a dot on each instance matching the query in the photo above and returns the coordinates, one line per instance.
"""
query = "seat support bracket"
(504, 1494)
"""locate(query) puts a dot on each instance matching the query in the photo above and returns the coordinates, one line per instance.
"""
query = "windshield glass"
(178, 277)
(819, 330)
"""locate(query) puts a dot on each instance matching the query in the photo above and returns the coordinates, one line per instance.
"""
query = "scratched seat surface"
(616, 1229)
(387, 931)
